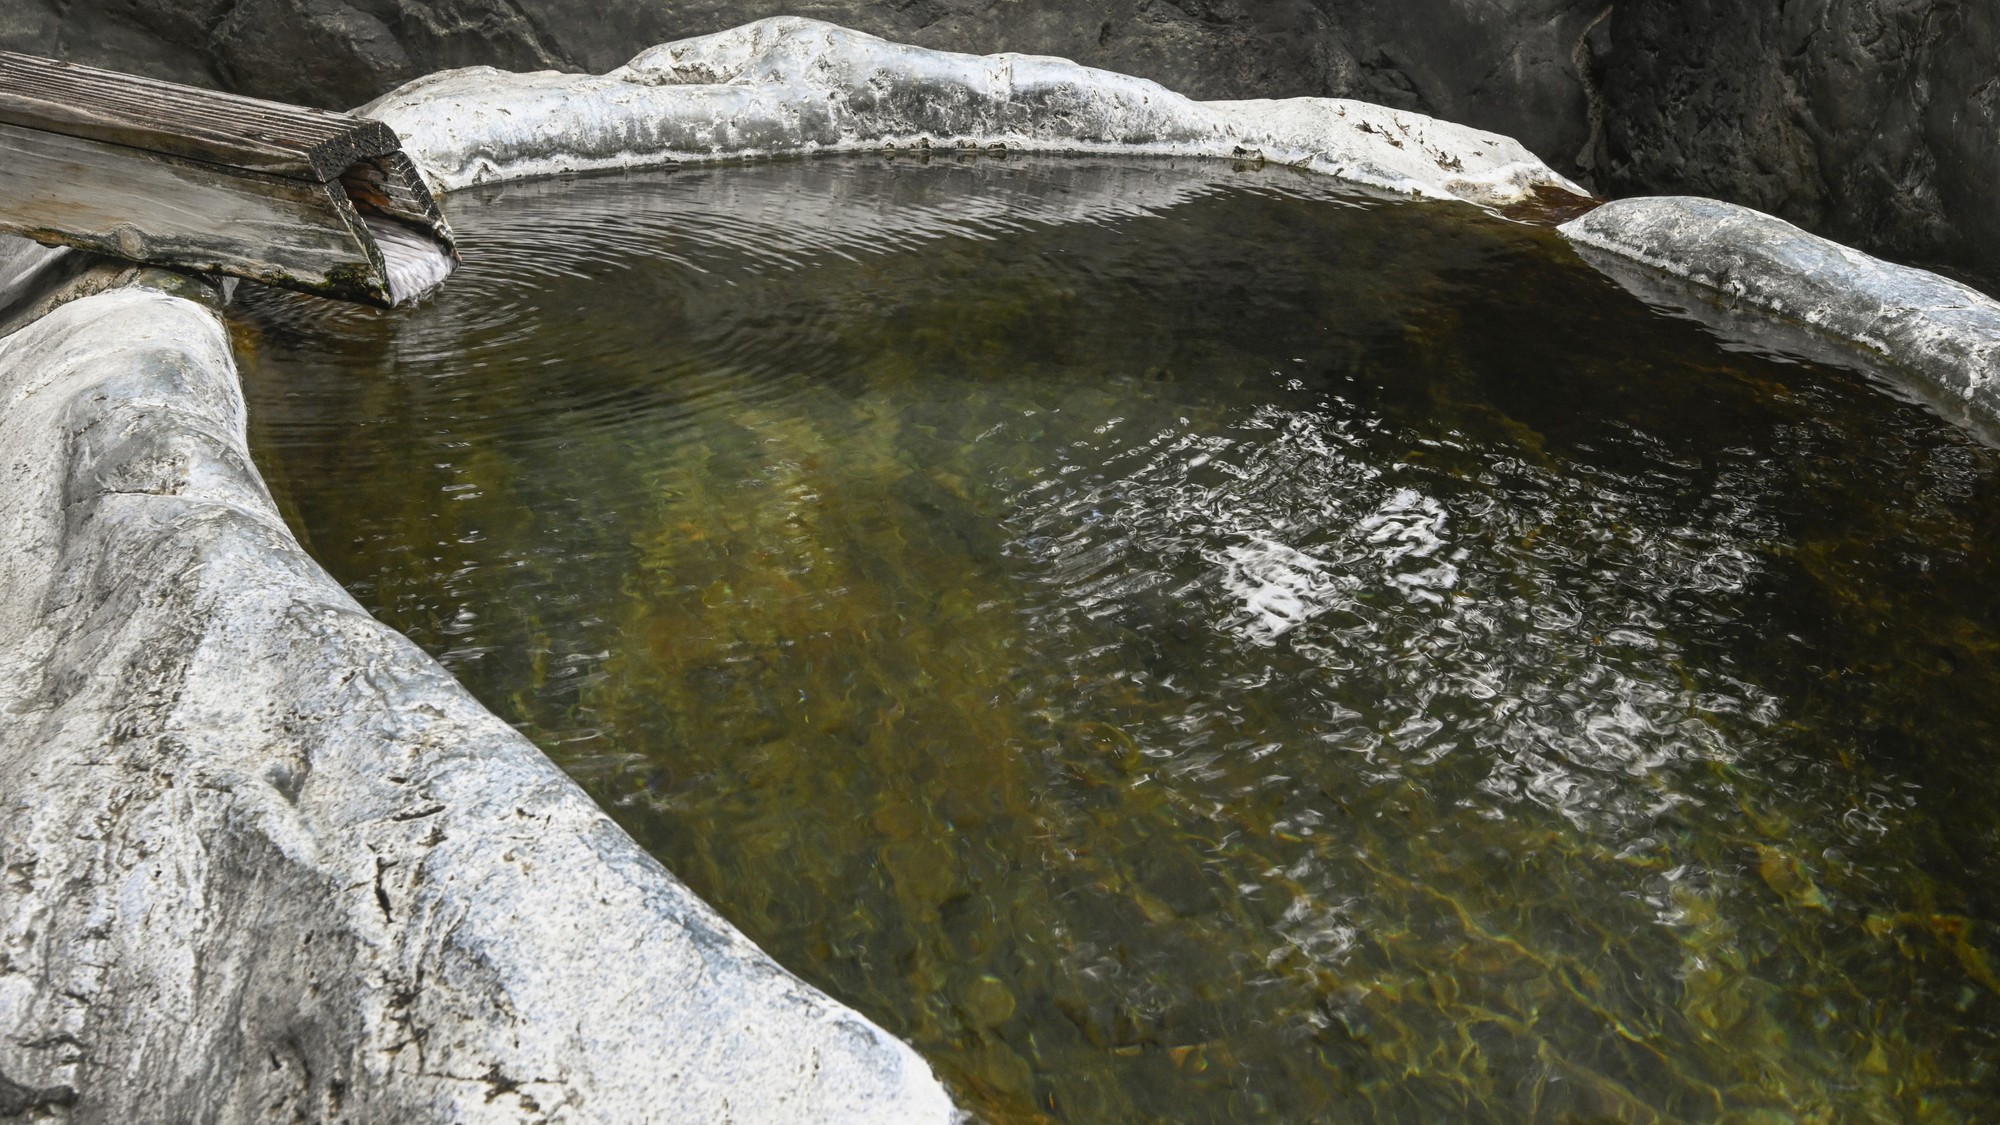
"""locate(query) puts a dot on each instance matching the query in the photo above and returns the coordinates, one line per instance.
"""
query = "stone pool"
(1186, 641)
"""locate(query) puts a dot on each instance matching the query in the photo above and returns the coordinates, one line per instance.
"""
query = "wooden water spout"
(198, 180)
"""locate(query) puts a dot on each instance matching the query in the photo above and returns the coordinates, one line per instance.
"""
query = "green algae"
(1186, 643)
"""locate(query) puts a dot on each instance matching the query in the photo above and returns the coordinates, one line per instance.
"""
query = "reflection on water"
(1181, 642)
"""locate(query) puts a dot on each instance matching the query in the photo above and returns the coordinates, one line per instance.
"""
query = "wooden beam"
(205, 181)
(151, 208)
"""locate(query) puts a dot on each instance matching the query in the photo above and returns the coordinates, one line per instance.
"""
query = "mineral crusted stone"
(1944, 335)
(793, 86)
(261, 857)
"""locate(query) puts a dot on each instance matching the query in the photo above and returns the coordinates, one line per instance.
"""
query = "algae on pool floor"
(1188, 642)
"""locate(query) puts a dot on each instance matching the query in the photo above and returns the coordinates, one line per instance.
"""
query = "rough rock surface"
(792, 85)
(1945, 334)
(35, 280)
(260, 857)
(1502, 65)
(1876, 122)
(29, 272)
(1873, 121)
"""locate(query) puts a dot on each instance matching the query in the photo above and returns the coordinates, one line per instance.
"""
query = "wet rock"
(1938, 338)
(1873, 121)
(1173, 877)
(1503, 65)
(261, 857)
(17, 1100)
(791, 85)
(986, 1002)
(35, 280)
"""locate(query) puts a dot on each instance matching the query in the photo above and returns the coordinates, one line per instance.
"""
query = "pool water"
(1188, 642)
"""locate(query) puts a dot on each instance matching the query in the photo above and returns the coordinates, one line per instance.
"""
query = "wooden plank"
(199, 180)
(185, 121)
(390, 185)
(116, 200)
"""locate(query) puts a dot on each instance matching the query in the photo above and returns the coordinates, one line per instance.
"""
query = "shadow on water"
(1186, 642)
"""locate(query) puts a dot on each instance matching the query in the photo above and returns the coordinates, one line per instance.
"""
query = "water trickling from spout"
(415, 262)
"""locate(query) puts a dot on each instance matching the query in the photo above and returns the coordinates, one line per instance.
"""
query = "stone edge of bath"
(794, 86)
(1770, 284)
(258, 852)
(208, 743)
(790, 85)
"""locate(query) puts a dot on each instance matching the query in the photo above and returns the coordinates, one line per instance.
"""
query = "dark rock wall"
(1499, 63)
(1873, 121)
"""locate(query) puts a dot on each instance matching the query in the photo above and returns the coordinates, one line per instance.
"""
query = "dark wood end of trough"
(201, 180)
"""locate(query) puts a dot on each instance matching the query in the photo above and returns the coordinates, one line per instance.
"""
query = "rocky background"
(1876, 122)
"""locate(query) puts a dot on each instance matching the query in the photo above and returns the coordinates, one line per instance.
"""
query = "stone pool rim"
(144, 466)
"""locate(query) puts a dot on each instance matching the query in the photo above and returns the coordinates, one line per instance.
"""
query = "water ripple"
(1183, 642)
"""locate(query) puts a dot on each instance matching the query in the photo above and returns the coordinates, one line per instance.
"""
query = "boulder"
(1503, 65)
(1873, 121)
(1765, 284)
(789, 85)
(261, 857)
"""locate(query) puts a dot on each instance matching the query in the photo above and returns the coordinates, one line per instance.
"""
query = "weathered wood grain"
(391, 185)
(199, 180)
(149, 207)
(184, 121)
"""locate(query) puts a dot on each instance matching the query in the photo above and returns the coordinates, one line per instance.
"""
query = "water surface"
(1182, 642)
